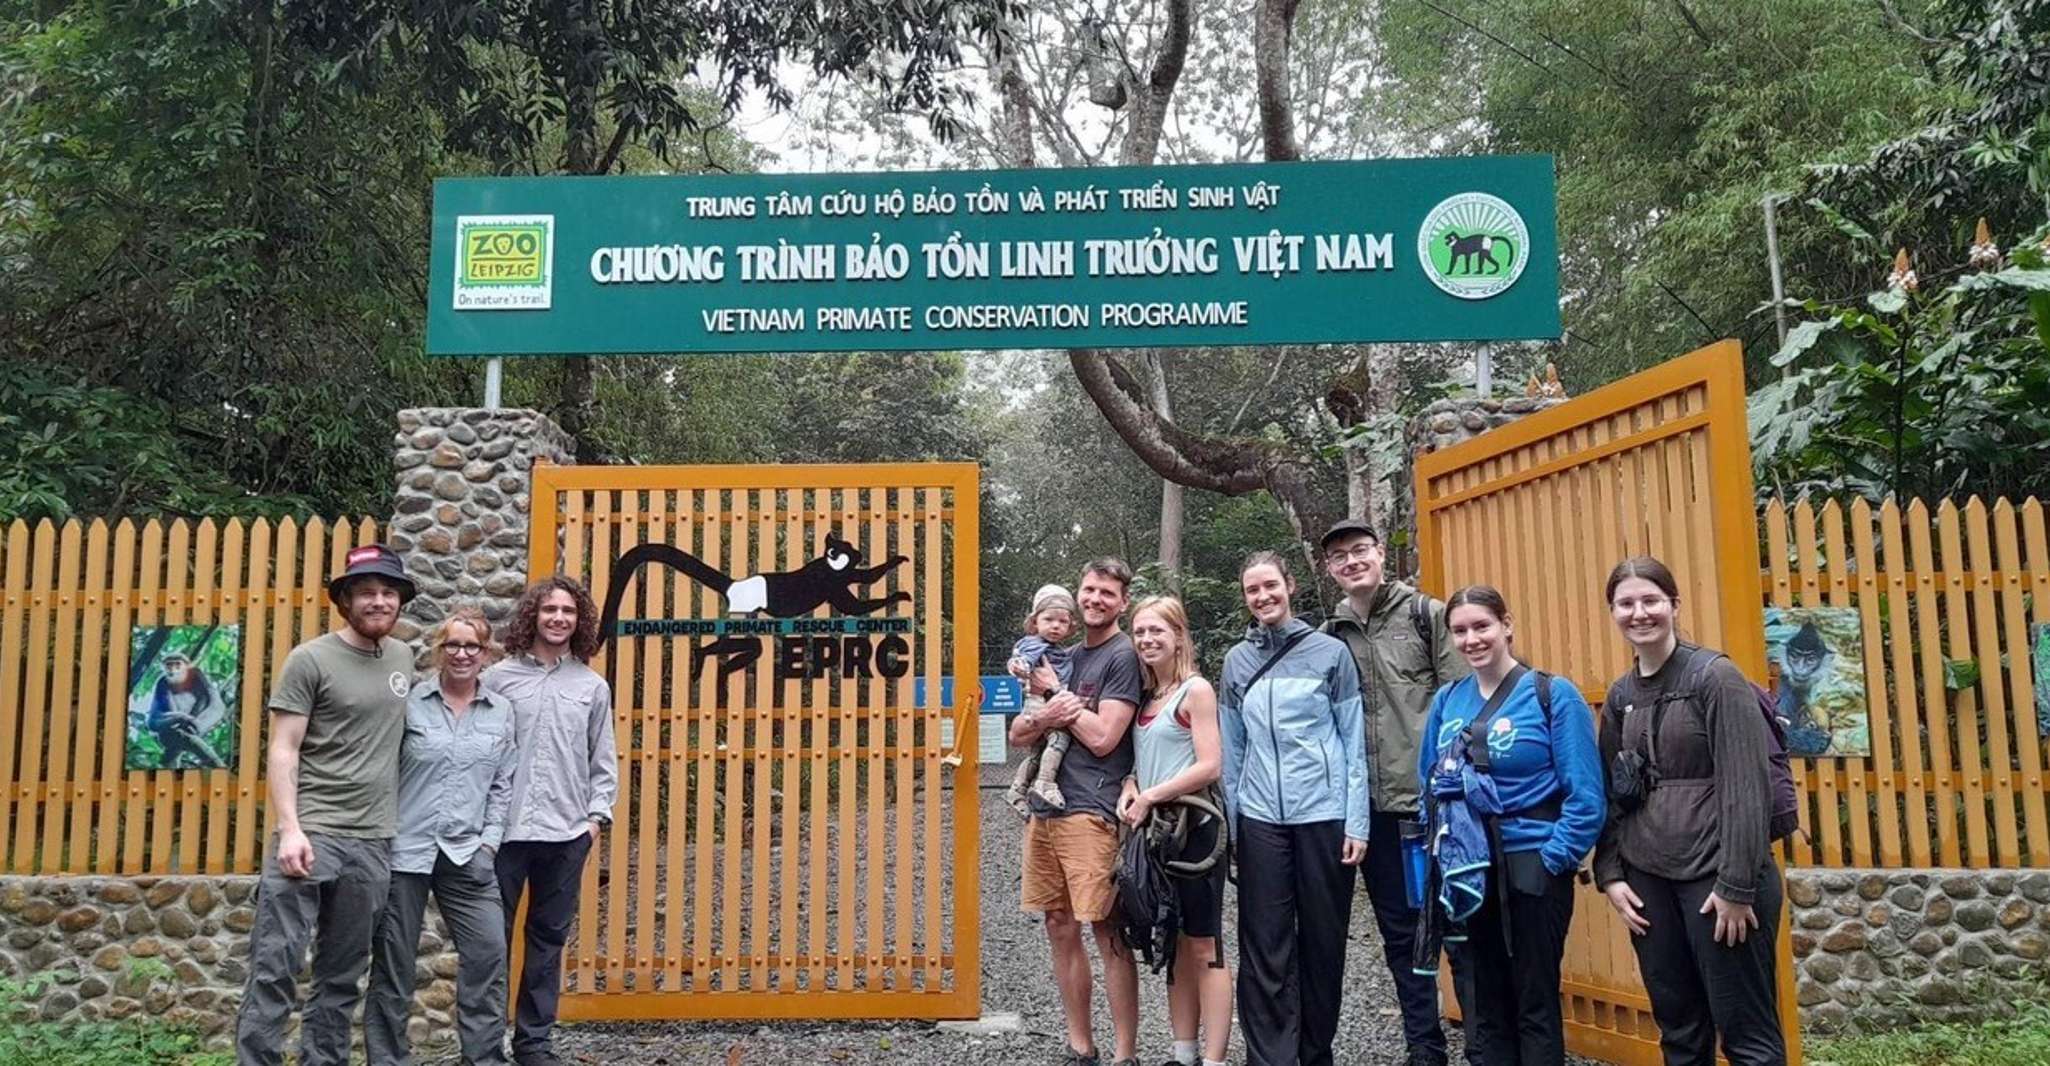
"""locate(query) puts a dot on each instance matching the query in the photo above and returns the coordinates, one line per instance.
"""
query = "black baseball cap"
(371, 560)
(1346, 527)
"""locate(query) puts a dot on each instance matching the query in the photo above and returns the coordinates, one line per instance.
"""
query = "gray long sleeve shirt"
(568, 771)
(455, 778)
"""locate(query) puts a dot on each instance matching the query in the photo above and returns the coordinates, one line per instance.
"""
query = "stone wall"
(460, 505)
(1878, 949)
(174, 948)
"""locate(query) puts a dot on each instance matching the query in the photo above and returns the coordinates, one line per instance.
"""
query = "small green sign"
(1165, 256)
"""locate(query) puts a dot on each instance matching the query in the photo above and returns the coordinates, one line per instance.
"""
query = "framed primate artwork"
(1818, 654)
(184, 683)
(2039, 658)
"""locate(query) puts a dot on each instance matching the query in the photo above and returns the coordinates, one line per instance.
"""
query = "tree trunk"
(578, 411)
(1171, 494)
(1273, 26)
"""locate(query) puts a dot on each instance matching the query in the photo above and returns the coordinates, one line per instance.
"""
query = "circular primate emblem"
(1473, 245)
(397, 681)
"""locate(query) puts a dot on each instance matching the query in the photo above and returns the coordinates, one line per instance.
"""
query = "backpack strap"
(1477, 754)
(1420, 617)
(1272, 659)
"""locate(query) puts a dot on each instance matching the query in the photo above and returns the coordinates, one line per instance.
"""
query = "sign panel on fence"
(1257, 253)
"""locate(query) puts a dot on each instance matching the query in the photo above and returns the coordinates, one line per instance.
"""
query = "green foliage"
(1916, 392)
(140, 1041)
(1670, 123)
(2023, 1040)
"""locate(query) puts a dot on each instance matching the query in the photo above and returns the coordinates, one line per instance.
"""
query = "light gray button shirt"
(568, 771)
(455, 777)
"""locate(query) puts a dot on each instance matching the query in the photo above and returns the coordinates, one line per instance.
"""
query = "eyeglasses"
(462, 648)
(1358, 553)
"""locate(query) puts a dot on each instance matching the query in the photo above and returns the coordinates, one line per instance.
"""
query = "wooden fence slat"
(200, 611)
(675, 914)
(704, 720)
(846, 881)
(35, 700)
(1935, 704)
(1881, 716)
(283, 636)
(220, 805)
(135, 822)
(760, 938)
(1965, 708)
(1907, 698)
(790, 715)
(1824, 771)
(1857, 806)
(733, 750)
(596, 951)
(13, 609)
(818, 909)
(107, 826)
(92, 657)
(164, 783)
(932, 601)
(647, 819)
(618, 841)
(875, 854)
(1800, 849)
(2028, 742)
(1992, 686)
(62, 708)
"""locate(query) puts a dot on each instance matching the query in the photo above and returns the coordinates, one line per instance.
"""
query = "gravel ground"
(1016, 977)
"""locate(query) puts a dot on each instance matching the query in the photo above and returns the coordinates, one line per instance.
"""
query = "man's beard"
(373, 627)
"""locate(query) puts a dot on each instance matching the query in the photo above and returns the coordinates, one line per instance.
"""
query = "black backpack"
(1148, 914)
(1786, 818)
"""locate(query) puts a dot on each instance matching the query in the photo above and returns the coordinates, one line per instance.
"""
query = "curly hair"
(522, 631)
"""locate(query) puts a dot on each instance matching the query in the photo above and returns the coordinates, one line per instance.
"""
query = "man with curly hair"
(563, 788)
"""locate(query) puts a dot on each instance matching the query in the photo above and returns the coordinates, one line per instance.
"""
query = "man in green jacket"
(1398, 640)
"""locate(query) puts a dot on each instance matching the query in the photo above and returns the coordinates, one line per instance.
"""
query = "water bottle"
(1416, 862)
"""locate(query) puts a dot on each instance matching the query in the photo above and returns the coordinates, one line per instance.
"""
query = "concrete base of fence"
(1878, 949)
(172, 948)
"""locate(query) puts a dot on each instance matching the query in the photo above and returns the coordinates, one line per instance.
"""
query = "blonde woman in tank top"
(1178, 751)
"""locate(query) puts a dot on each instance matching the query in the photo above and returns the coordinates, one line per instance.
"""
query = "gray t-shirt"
(355, 707)
(1090, 782)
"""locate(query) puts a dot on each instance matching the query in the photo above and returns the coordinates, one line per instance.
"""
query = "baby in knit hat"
(1050, 624)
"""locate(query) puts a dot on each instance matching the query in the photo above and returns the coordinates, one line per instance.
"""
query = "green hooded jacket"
(1397, 678)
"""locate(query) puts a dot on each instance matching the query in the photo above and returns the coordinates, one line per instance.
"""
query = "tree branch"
(1693, 23)
(1273, 25)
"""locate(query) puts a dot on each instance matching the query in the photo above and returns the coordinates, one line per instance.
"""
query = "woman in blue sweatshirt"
(1547, 777)
(1295, 781)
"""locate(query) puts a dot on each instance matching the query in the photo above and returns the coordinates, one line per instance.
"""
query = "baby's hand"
(1018, 668)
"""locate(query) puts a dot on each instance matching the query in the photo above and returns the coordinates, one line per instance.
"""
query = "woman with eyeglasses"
(455, 786)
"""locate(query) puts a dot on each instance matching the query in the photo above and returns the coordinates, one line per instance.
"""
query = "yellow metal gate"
(1542, 509)
(796, 831)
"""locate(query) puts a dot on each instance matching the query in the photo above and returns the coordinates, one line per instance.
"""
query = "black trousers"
(1699, 987)
(1295, 905)
(1416, 993)
(551, 873)
(1511, 999)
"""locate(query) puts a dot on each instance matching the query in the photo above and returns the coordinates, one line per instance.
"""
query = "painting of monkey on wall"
(1818, 655)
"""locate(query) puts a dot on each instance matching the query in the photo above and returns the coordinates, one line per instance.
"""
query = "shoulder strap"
(1477, 754)
(1272, 659)
(1544, 697)
(1420, 617)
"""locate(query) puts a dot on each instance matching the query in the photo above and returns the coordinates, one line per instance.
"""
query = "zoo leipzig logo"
(504, 262)
(1473, 245)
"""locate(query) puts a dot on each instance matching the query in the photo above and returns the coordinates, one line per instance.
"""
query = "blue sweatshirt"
(1531, 764)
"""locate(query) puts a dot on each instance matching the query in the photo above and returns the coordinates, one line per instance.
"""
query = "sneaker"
(540, 1057)
(1079, 1058)
(1425, 1057)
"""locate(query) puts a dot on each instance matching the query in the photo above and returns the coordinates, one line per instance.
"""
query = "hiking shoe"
(1425, 1057)
(1079, 1058)
(541, 1057)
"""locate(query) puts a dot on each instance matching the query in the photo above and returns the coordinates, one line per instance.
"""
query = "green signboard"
(1459, 249)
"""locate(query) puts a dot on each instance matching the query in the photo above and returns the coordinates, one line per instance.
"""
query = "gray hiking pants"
(468, 895)
(335, 908)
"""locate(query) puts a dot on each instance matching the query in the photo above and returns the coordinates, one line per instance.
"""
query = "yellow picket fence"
(1955, 777)
(72, 597)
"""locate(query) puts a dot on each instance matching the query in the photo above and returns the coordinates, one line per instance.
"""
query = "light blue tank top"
(1165, 747)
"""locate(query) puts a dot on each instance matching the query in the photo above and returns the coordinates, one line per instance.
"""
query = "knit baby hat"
(1055, 597)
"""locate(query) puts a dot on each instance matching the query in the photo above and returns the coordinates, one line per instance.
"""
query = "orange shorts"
(1070, 865)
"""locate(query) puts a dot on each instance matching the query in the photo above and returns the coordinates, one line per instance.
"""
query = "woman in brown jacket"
(1685, 858)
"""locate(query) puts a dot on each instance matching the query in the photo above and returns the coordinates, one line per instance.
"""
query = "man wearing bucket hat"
(1398, 641)
(338, 713)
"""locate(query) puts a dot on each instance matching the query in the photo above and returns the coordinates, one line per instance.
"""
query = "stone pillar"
(1443, 424)
(460, 505)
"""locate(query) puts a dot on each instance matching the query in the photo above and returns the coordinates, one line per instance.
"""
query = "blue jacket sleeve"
(1233, 728)
(1352, 733)
(1577, 762)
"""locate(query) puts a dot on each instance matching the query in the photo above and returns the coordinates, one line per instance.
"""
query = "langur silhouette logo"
(504, 262)
(1473, 245)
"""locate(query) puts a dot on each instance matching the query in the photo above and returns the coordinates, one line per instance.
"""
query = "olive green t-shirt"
(355, 706)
